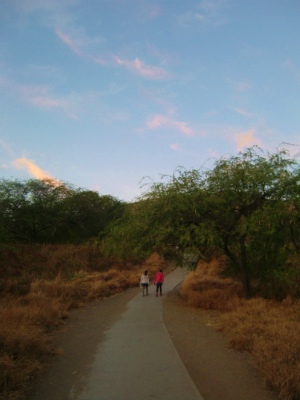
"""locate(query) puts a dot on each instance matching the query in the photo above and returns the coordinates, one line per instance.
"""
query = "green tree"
(251, 195)
(30, 209)
(86, 214)
(43, 211)
(246, 206)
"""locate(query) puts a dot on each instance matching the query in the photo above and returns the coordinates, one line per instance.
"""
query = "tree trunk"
(241, 265)
(245, 268)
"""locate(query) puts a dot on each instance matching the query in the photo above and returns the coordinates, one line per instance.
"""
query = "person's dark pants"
(159, 287)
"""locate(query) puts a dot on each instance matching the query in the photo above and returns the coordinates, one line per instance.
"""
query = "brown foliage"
(206, 288)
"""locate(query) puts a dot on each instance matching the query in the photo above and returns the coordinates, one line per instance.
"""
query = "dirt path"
(218, 373)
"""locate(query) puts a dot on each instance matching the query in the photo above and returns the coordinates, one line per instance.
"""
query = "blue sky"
(103, 93)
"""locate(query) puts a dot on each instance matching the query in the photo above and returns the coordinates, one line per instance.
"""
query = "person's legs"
(147, 289)
(160, 288)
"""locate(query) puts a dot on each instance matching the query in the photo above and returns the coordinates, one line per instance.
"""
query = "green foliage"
(246, 207)
(42, 211)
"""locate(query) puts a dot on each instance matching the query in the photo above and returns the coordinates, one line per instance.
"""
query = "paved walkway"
(137, 359)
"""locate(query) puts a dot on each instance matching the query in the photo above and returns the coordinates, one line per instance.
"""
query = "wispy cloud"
(165, 121)
(79, 43)
(240, 85)
(292, 67)
(243, 112)
(207, 14)
(247, 139)
(139, 67)
(34, 170)
(40, 96)
(71, 43)
(175, 146)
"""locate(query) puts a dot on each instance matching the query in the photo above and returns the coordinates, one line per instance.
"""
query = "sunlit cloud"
(78, 42)
(247, 139)
(34, 170)
(162, 121)
(139, 67)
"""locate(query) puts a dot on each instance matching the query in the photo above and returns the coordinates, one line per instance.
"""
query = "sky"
(109, 95)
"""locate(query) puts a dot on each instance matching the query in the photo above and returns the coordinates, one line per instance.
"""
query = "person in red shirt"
(158, 281)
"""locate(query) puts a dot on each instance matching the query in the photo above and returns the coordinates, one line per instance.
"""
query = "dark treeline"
(42, 211)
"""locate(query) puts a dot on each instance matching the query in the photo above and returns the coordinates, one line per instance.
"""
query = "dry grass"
(268, 330)
(39, 285)
(205, 288)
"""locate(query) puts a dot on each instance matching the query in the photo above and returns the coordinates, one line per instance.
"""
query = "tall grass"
(39, 285)
(268, 330)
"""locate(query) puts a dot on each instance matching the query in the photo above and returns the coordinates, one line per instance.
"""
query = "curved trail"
(137, 359)
(120, 348)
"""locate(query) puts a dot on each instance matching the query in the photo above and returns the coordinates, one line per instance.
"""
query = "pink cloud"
(165, 121)
(34, 170)
(39, 96)
(175, 146)
(139, 67)
(247, 139)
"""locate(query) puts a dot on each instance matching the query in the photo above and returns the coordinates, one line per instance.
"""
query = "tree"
(250, 195)
(43, 211)
(30, 210)
(246, 206)
(87, 214)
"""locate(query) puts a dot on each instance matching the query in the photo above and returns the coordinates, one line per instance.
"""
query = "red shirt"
(159, 277)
